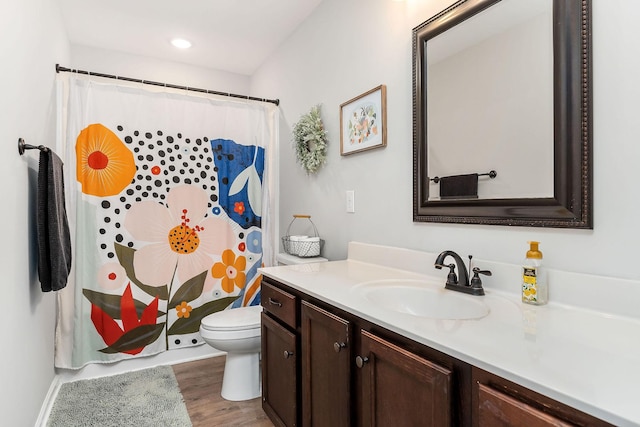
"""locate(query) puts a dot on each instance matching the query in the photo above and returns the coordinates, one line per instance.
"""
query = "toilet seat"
(235, 319)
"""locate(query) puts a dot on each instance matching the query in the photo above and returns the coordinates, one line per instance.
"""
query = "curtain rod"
(172, 86)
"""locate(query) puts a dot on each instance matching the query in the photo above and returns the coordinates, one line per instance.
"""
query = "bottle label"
(529, 284)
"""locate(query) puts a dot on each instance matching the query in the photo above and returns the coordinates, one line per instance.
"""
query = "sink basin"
(422, 299)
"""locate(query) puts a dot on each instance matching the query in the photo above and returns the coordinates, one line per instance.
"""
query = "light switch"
(351, 202)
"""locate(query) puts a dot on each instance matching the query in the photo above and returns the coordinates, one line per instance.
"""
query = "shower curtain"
(169, 201)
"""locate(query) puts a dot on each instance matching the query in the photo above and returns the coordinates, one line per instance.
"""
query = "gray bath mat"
(149, 397)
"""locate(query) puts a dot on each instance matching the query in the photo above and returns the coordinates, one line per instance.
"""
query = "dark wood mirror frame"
(571, 205)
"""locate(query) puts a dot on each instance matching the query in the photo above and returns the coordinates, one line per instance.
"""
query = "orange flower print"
(184, 310)
(231, 270)
(239, 208)
(105, 166)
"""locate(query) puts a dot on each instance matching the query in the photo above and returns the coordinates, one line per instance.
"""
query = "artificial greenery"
(310, 140)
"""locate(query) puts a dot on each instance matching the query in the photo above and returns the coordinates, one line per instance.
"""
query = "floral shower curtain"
(168, 199)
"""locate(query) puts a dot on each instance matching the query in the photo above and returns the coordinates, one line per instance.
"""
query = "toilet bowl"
(237, 331)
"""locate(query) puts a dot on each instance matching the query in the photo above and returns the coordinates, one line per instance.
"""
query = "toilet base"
(242, 379)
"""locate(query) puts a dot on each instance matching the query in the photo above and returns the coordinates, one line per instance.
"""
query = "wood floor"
(200, 383)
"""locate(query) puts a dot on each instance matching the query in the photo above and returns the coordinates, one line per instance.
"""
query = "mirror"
(502, 114)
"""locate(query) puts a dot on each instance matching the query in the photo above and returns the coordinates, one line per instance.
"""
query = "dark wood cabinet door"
(326, 374)
(399, 388)
(279, 368)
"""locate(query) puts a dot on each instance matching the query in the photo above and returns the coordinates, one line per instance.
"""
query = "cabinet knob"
(337, 346)
(361, 361)
(288, 354)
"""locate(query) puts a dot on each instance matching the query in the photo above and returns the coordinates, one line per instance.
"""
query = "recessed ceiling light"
(181, 43)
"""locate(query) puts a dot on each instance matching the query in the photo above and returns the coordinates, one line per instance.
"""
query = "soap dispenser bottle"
(534, 281)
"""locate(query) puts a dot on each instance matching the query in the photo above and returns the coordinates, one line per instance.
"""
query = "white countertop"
(582, 357)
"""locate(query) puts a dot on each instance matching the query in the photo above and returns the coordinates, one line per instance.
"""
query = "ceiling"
(230, 35)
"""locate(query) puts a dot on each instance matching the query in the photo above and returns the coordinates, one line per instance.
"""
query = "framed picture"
(363, 122)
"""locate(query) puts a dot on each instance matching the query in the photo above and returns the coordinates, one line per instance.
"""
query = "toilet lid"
(237, 319)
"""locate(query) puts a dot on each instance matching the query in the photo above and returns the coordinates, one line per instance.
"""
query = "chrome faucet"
(462, 284)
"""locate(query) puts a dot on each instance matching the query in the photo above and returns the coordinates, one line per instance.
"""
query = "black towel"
(54, 241)
(459, 186)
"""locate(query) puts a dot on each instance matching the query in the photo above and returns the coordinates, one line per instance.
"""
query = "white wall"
(147, 68)
(32, 41)
(348, 47)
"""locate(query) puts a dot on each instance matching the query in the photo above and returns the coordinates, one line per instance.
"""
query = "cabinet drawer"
(498, 409)
(279, 303)
(498, 402)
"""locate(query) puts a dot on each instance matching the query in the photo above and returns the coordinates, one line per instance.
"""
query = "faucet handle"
(452, 277)
(476, 282)
(477, 271)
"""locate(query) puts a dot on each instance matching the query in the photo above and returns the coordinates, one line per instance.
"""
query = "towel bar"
(491, 174)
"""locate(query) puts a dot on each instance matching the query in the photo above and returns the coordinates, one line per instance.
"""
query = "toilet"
(237, 331)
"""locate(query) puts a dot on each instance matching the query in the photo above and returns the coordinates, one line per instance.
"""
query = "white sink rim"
(422, 299)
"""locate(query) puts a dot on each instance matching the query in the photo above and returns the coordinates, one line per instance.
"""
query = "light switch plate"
(351, 202)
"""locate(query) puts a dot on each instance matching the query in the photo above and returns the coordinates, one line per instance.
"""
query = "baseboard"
(47, 404)
(200, 357)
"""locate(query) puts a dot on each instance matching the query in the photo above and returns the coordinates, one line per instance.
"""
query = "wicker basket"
(302, 246)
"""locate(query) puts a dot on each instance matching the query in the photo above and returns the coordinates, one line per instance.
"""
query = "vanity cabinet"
(324, 366)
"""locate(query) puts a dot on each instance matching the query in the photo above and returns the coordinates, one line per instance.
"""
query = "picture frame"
(363, 122)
